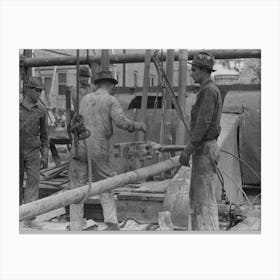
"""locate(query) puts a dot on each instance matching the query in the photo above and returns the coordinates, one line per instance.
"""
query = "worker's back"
(96, 109)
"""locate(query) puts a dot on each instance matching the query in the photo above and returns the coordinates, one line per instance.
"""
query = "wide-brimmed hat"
(105, 75)
(204, 59)
(84, 71)
(35, 82)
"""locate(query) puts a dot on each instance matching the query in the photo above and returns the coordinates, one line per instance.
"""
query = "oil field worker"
(84, 85)
(33, 140)
(205, 129)
(100, 110)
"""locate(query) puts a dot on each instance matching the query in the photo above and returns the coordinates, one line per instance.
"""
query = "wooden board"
(49, 215)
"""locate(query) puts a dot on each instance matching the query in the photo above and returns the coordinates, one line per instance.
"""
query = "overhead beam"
(38, 207)
(136, 57)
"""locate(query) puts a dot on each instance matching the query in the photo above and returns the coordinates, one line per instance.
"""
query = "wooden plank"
(141, 196)
(140, 210)
(49, 215)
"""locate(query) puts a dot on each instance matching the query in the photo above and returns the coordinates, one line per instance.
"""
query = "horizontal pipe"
(33, 209)
(135, 57)
(171, 148)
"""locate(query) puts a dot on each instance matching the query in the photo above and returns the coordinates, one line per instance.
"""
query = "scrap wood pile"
(55, 176)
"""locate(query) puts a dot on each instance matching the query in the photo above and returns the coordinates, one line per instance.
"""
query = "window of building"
(48, 83)
(118, 78)
(135, 78)
(62, 83)
(152, 80)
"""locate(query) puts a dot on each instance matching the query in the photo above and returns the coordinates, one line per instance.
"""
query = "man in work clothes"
(205, 129)
(33, 140)
(99, 109)
(84, 86)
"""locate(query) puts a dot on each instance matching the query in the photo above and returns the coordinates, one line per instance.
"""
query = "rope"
(166, 84)
(89, 172)
(156, 103)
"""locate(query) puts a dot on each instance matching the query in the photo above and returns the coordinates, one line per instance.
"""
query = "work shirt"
(100, 110)
(206, 114)
(33, 128)
(83, 90)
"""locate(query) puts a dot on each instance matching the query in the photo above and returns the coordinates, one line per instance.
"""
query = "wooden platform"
(140, 201)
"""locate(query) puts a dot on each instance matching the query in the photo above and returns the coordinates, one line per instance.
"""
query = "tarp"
(230, 166)
(250, 130)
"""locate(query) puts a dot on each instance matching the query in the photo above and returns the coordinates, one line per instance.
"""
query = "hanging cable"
(233, 181)
(242, 161)
(255, 199)
(166, 84)
(79, 130)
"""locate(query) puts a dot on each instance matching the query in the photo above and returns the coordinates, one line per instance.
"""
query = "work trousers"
(203, 187)
(78, 175)
(29, 163)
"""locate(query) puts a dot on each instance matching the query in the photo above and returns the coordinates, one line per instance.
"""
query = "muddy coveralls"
(99, 110)
(33, 140)
(205, 129)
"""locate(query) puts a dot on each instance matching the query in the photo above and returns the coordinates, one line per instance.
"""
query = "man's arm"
(121, 120)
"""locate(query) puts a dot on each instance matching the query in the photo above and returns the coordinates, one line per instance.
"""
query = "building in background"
(57, 79)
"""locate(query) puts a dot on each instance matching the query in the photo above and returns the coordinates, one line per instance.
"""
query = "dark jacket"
(206, 114)
(33, 128)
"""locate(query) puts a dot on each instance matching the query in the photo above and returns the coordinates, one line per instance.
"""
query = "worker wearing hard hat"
(84, 86)
(205, 129)
(33, 139)
(100, 109)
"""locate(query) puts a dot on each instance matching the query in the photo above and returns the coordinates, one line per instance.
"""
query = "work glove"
(185, 156)
(140, 126)
(44, 158)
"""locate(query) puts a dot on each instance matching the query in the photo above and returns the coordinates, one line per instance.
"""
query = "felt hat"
(35, 82)
(84, 71)
(204, 59)
(105, 75)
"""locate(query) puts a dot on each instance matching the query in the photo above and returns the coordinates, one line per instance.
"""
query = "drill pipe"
(35, 208)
